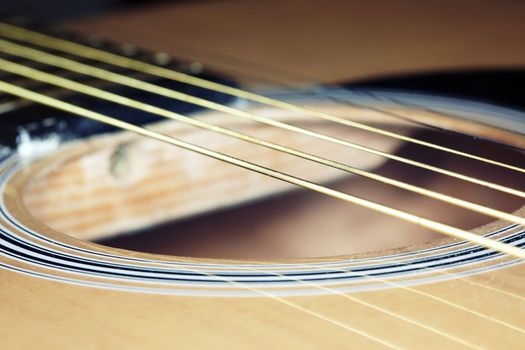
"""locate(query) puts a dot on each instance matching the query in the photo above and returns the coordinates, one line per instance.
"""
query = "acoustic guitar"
(265, 175)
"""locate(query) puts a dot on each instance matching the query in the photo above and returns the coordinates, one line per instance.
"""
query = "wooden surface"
(331, 41)
(336, 40)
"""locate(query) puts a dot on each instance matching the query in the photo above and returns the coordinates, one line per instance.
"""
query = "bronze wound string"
(126, 62)
(54, 60)
(101, 94)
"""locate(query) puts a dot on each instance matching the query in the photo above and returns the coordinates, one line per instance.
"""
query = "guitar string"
(291, 304)
(410, 289)
(195, 55)
(32, 73)
(24, 93)
(407, 288)
(53, 60)
(432, 269)
(26, 35)
(366, 304)
(396, 315)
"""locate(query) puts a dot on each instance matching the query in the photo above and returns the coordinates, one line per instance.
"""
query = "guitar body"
(251, 262)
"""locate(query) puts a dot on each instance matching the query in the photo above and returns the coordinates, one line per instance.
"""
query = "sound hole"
(303, 224)
(145, 196)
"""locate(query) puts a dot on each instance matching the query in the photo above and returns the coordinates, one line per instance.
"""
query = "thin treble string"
(297, 306)
(407, 288)
(357, 301)
(92, 53)
(404, 287)
(386, 311)
(53, 60)
(108, 96)
(430, 295)
(397, 285)
(393, 314)
(466, 280)
(300, 182)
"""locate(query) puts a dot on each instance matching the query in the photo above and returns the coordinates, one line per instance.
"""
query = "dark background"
(51, 10)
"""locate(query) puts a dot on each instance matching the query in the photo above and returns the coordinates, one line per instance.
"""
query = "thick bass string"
(418, 220)
(68, 64)
(98, 93)
(26, 35)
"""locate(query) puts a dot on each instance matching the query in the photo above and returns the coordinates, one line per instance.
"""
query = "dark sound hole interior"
(303, 224)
